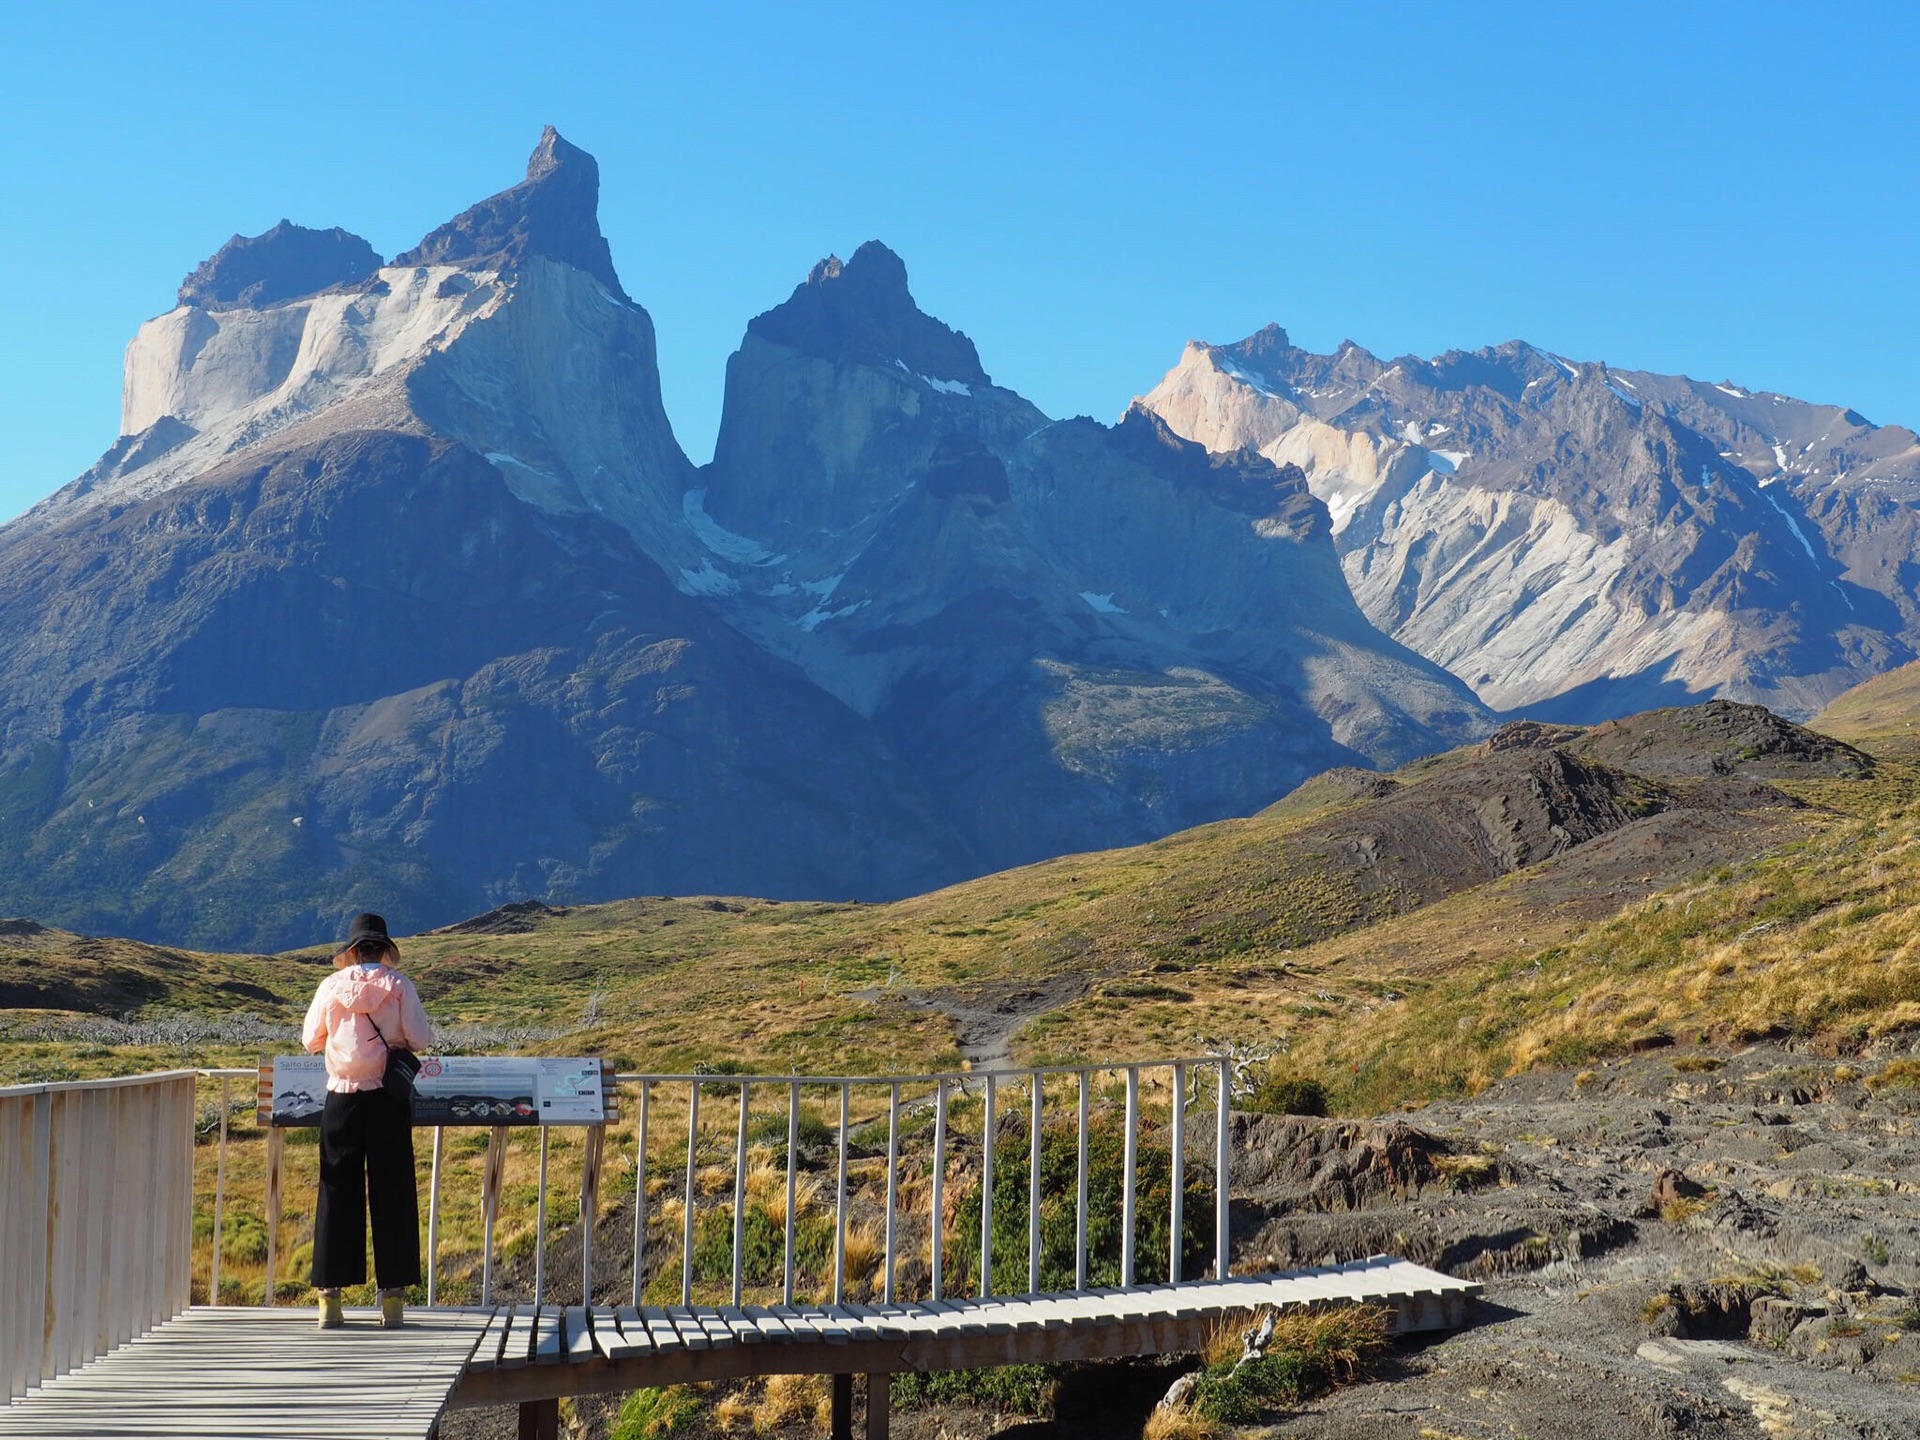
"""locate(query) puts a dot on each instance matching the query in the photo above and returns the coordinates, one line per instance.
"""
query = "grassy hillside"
(1882, 715)
(1478, 911)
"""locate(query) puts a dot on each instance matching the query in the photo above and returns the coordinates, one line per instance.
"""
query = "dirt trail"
(986, 1018)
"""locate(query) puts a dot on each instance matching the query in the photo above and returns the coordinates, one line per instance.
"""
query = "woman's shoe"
(331, 1317)
(392, 1309)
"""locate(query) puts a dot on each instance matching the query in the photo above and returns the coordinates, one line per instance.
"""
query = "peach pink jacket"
(341, 1020)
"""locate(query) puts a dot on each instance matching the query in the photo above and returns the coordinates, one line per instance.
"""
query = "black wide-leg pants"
(366, 1162)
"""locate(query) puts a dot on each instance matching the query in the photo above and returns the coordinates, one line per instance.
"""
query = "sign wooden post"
(276, 1164)
(490, 1180)
(596, 1139)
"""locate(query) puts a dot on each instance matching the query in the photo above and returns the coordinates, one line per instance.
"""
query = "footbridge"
(839, 1226)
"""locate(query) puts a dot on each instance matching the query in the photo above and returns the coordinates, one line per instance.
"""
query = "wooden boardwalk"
(249, 1374)
(528, 1353)
(233, 1374)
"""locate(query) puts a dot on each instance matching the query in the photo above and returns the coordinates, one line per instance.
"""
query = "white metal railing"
(942, 1087)
(1186, 1078)
(96, 1218)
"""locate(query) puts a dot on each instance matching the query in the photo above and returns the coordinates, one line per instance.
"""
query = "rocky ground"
(1673, 1244)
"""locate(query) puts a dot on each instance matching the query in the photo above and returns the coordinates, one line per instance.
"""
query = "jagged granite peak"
(554, 212)
(861, 310)
(284, 263)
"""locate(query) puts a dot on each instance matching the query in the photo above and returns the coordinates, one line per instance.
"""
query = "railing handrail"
(106, 1082)
(1013, 1072)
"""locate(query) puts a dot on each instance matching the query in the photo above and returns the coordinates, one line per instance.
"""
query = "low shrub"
(1008, 1389)
(1308, 1355)
(1288, 1095)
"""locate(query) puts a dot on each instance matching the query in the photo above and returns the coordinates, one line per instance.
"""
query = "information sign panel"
(462, 1090)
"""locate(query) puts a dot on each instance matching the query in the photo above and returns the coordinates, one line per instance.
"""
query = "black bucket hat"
(368, 926)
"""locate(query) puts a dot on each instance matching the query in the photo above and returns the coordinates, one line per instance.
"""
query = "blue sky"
(1729, 191)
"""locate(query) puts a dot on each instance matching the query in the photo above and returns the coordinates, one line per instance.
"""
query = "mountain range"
(397, 590)
(1579, 542)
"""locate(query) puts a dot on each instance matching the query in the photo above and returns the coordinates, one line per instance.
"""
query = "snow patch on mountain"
(727, 544)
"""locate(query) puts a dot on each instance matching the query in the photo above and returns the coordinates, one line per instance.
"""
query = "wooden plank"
(661, 1330)
(719, 1333)
(487, 1353)
(692, 1333)
(855, 1327)
(549, 1346)
(746, 1330)
(579, 1338)
(517, 1344)
(771, 1324)
(624, 1335)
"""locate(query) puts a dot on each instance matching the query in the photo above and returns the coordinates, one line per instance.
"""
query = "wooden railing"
(96, 1218)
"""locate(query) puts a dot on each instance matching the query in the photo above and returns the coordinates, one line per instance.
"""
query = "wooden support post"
(276, 1166)
(433, 1216)
(596, 1141)
(842, 1408)
(492, 1177)
(879, 1400)
(540, 1419)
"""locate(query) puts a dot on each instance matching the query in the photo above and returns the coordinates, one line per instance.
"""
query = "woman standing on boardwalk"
(366, 1134)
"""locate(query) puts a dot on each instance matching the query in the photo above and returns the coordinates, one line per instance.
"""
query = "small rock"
(1774, 1317)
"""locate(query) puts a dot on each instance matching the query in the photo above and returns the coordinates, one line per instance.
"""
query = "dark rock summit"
(285, 263)
(1720, 738)
(553, 213)
(862, 311)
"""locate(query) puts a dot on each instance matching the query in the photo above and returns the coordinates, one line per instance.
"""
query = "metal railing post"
(937, 1203)
(1129, 1175)
(1038, 1087)
(640, 1198)
(1223, 1173)
(893, 1184)
(220, 1196)
(1080, 1190)
(740, 1199)
(840, 1201)
(793, 1167)
(986, 1193)
(1178, 1164)
(693, 1161)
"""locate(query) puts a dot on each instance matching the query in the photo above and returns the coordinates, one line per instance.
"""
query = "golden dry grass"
(788, 1399)
(735, 1411)
(1164, 1424)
